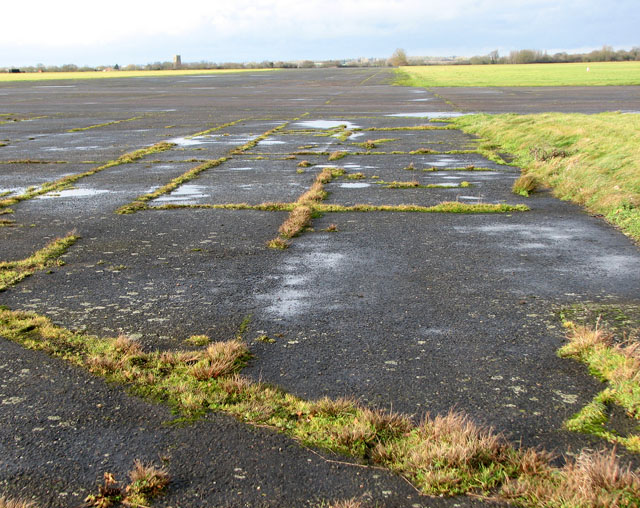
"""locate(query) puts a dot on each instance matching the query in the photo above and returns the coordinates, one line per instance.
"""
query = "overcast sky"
(84, 32)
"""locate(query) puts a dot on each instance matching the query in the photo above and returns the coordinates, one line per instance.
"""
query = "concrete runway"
(419, 312)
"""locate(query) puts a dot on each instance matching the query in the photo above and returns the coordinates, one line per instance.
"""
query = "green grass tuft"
(12, 272)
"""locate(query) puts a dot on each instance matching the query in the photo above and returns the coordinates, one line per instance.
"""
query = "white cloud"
(288, 28)
(65, 22)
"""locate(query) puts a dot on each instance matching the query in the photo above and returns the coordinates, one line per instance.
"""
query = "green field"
(45, 76)
(592, 160)
(573, 74)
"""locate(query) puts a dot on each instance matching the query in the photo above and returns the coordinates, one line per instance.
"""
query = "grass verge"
(66, 181)
(444, 455)
(557, 74)
(12, 272)
(51, 76)
(592, 160)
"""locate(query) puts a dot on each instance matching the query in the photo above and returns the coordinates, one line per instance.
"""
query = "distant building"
(177, 62)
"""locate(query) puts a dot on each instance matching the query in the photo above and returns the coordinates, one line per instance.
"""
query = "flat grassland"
(46, 76)
(592, 160)
(570, 74)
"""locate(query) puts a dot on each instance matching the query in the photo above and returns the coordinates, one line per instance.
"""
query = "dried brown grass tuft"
(525, 185)
(594, 479)
(220, 359)
(583, 338)
(15, 503)
(147, 480)
(298, 218)
(334, 407)
(127, 346)
(347, 503)
(456, 440)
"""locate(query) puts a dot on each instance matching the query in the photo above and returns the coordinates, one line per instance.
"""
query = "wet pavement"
(412, 311)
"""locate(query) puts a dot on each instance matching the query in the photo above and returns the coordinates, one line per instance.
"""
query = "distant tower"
(177, 63)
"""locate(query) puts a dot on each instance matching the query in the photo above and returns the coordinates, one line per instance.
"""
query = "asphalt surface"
(416, 312)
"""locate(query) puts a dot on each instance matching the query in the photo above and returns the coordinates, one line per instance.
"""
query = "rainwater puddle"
(62, 149)
(271, 142)
(295, 293)
(351, 165)
(326, 124)
(419, 100)
(12, 190)
(239, 169)
(430, 114)
(186, 141)
(186, 192)
(445, 161)
(210, 139)
(474, 198)
(551, 234)
(355, 185)
(73, 193)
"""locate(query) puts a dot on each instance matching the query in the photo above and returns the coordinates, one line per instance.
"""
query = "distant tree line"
(398, 58)
(202, 65)
(525, 56)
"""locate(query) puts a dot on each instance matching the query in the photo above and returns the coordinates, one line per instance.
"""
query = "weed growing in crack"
(337, 155)
(302, 213)
(278, 243)
(140, 203)
(146, 482)
(444, 207)
(66, 181)
(198, 340)
(266, 339)
(423, 151)
(299, 218)
(106, 124)
(616, 364)
(12, 272)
